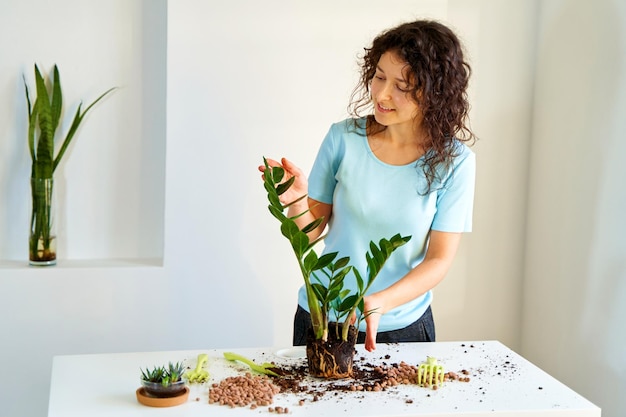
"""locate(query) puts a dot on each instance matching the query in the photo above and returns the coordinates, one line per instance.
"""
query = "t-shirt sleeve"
(322, 180)
(455, 200)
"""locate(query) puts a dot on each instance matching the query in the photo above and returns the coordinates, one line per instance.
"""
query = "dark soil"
(331, 359)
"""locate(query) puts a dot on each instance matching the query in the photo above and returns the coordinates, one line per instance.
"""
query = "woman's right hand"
(300, 185)
(314, 209)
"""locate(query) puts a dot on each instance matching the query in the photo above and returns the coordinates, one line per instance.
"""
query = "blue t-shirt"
(373, 200)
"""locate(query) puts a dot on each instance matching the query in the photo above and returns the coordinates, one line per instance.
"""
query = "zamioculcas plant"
(324, 276)
(43, 120)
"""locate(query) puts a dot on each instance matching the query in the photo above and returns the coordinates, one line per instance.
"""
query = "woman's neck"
(395, 145)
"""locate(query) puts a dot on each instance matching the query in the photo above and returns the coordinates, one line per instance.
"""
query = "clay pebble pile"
(242, 391)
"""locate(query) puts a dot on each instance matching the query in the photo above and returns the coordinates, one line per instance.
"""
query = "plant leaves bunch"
(324, 298)
(43, 120)
(164, 375)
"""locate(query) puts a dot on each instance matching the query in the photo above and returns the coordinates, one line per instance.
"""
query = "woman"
(400, 164)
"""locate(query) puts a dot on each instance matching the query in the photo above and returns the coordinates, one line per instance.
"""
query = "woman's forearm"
(307, 211)
(416, 283)
(421, 279)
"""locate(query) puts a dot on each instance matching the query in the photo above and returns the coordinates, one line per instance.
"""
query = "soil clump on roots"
(331, 359)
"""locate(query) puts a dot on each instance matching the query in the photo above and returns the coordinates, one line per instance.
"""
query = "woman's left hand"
(425, 276)
(373, 305)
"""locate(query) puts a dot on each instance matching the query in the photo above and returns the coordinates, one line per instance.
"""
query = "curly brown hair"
(439, 77)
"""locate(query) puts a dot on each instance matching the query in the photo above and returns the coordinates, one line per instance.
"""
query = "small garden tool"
(199, 374)
(264, 368)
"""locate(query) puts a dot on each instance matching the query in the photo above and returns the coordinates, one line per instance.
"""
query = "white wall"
(575, 267)
(243, 81)
(480, 298)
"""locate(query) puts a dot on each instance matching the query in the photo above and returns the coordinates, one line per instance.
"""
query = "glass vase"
(42, 241)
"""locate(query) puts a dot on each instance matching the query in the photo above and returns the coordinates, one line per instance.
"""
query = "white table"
(502, 384)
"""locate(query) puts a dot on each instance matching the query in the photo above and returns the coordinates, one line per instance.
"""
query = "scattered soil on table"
(366, 377)
(295, 379)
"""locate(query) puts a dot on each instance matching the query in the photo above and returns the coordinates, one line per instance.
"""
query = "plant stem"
(318, 319)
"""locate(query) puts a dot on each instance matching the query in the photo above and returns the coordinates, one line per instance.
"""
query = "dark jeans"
(421, 330)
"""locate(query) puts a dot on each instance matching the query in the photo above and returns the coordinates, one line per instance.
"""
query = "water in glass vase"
(42, 240)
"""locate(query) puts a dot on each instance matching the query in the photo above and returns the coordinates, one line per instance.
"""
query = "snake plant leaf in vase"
(44, 115)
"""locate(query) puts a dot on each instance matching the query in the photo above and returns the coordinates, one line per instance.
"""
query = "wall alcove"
(111, 183)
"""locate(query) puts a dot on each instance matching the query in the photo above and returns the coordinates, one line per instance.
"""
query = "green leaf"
(274, 201)
(43, 108)
(386, 247)
(310, 261)
(325, 260)
(32, 121)
(282, 187)
(44, 146)
(313, 225)
(32, 124)
(348, 303)
(302, 197)
(335, 285)
(398, 240)
(319, 290)
(342, 262)
(268, 181)
(289, 229)
(70, 134)
(57, 99)
(78, 118)
(359, 279)
(300, 244)
(29, 107)
(376, 254)
(343, 272)
(333, 293)
(277, 213)
(278, 174)
(269, 187)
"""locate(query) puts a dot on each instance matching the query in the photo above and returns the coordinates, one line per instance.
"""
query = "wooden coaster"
(151, 401)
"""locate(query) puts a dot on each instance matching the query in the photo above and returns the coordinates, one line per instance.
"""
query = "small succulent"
(164, 375)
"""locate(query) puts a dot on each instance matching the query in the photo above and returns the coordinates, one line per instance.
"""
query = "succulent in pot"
(332, 337)
(163, 381)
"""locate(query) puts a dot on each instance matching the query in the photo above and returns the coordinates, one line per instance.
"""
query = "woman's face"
(391, 98)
